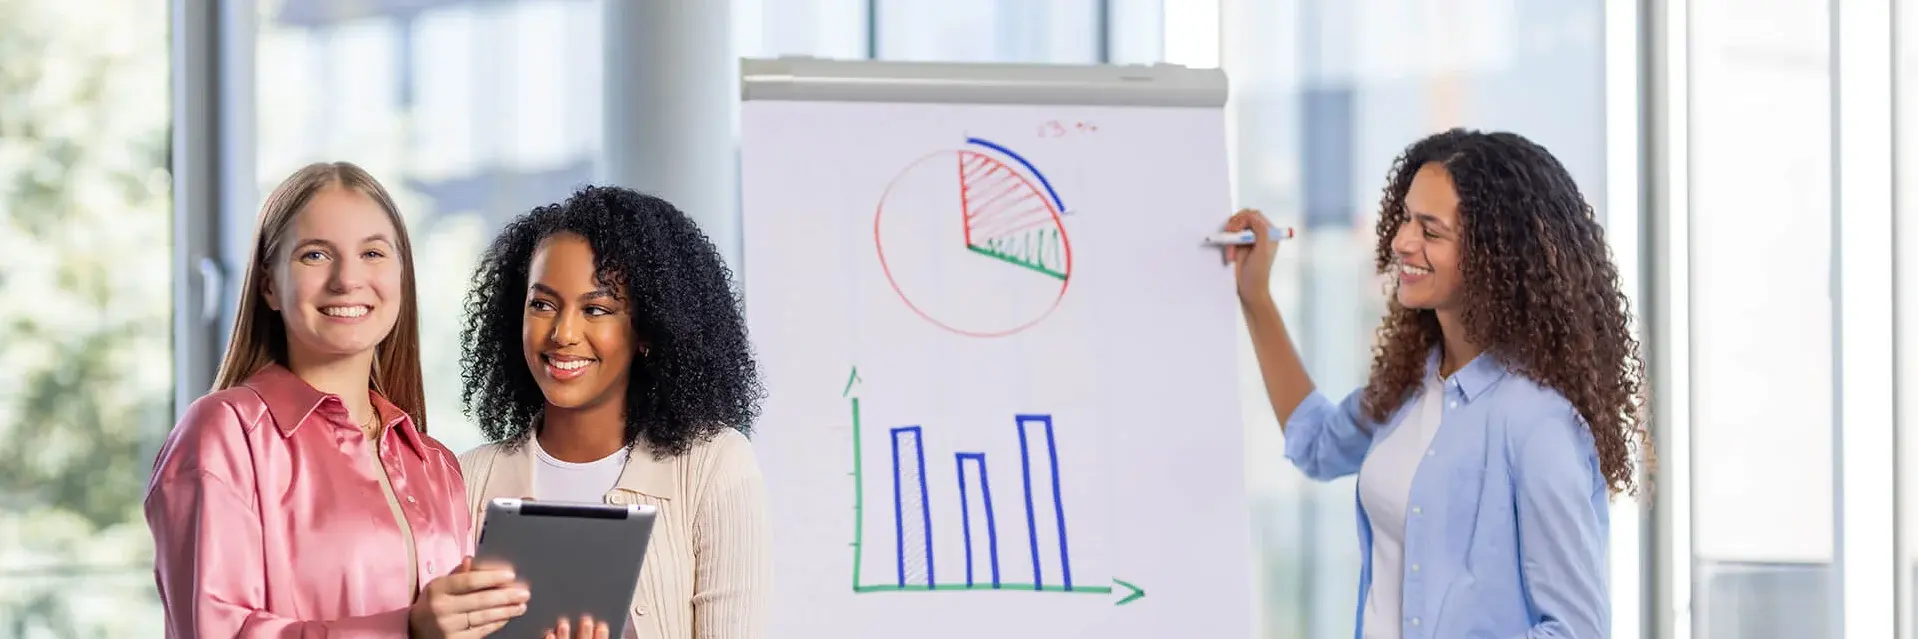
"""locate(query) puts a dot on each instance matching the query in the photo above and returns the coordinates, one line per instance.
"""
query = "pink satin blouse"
(269, 517)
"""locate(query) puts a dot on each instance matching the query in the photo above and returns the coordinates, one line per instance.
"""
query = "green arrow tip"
(1136, 593)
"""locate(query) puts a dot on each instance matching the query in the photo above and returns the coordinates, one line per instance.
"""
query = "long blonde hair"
(259, 333)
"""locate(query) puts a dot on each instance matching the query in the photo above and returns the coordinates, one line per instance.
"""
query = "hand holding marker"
(1246, 236)
(1250, 258)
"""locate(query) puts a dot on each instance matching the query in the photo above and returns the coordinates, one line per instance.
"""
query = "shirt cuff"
(1308, 420)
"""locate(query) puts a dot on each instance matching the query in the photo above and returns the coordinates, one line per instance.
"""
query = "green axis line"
(858, 488)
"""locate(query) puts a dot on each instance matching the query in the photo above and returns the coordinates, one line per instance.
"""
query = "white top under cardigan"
(558, 480)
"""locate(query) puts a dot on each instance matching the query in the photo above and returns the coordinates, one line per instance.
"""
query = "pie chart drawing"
(972, 241)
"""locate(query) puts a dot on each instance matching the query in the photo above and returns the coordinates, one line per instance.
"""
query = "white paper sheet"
(1001, 370)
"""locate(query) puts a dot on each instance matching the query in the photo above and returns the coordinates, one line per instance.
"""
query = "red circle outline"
(879, 212)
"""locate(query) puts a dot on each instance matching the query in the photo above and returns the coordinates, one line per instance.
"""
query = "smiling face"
(339, 282)
(578, 336)
(1427, 246)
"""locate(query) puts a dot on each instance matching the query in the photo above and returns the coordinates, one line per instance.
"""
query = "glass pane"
(469, 112)
(85, 312)
(1760, 308)
(1062, 31)
(818, 28)
(1137, 31)
(1905, 44)
(1327, 93)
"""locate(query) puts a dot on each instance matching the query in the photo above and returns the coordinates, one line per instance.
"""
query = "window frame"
(1863, 320)
(1667, 226)
(213, 197)
(1627, 216)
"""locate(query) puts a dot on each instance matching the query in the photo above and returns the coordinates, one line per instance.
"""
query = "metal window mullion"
(1863, 476)
(1667, 229)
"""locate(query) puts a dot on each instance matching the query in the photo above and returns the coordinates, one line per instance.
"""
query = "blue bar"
(965, 514)
(1032, 523)
(1058, 501)
(898, 511)
(900, 496)
(925, 509)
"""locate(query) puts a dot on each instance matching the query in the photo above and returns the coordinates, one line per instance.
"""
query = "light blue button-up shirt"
(1507, 525)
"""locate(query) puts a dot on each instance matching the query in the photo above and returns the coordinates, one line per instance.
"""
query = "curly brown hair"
(1541, 294)
(698, 378)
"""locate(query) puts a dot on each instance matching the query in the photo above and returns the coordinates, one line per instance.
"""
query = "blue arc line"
(1029, 167)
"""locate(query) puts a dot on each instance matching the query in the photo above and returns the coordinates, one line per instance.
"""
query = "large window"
(469, 112)
(1760, 318)
(1787, 284)
(85, 312)
(1326, 93)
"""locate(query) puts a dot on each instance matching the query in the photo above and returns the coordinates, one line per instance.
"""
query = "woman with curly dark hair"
(1505, 405)
(606, 359)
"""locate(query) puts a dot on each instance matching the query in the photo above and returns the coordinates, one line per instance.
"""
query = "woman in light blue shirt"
(1505, 406)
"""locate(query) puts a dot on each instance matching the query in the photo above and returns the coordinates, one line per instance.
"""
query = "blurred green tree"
(85, 308)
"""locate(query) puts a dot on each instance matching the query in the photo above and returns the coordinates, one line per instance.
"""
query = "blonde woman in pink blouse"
(303, 497)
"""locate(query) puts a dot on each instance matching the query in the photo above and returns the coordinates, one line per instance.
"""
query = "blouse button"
(1416, 510)
(641, 610)
(410, 500)
(430, 567)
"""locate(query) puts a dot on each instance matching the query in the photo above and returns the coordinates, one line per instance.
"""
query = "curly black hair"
(1540, 291)
(698, 377)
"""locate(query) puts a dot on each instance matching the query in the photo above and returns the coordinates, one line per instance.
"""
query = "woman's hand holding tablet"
(467, 603)
(583, 559)
(588, 629)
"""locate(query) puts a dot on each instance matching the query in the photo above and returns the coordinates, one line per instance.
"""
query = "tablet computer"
(576, 558)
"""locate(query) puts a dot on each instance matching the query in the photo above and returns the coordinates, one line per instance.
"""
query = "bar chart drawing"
(919, 524)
